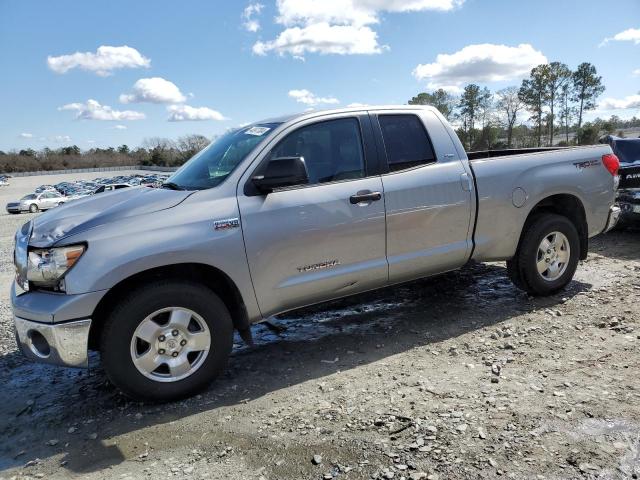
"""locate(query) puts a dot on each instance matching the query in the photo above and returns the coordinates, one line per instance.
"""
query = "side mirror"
(281, 172)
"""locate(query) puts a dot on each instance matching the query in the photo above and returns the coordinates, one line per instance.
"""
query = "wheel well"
(215, 279)
(568, 206)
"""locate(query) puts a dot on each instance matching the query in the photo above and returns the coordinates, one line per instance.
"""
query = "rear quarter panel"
(576, 171)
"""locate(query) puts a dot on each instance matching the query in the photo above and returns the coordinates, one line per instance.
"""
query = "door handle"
(465, 182)
(365, 196)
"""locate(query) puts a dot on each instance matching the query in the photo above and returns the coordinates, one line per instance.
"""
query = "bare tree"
(189, 145)
(509, 104)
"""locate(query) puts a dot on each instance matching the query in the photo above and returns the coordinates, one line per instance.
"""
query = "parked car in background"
(628, 197)
(4, 180)
(79, 193)
(287, 213)
(111, 187)
(35, 202)
(45, 188)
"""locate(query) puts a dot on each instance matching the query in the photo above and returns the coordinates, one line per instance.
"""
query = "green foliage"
(533, 93)
(587, 87)
(558, 76)
(441, 99)
(588, 134)
(474, 103)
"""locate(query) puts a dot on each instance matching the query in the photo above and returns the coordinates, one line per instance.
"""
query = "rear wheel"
(33, 208)
(166, 341)
(547, 257)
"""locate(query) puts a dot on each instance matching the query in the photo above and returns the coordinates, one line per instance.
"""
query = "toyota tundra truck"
(286, 213)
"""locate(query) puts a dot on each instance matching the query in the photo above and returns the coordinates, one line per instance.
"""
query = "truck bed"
(511, 151)
(536, 173)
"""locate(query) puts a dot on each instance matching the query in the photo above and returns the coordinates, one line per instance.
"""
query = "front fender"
(183, 234)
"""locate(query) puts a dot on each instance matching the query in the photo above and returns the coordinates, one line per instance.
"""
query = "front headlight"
(46, 266)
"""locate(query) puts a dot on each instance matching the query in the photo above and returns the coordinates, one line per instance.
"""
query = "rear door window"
(406, 142)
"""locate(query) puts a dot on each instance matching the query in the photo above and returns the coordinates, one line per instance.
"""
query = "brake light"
(611, 163)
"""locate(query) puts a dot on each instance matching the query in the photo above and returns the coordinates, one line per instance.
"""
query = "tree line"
(546, 109)
(154, 151)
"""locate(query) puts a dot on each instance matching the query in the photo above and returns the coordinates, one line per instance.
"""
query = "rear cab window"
(406, 142)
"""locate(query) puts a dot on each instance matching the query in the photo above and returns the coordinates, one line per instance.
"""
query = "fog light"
(39, 344)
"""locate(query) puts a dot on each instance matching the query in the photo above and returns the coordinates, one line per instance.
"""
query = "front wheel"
(547, 257)
(166, 341)
(33, 208)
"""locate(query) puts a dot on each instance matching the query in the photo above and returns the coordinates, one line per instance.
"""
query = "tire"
(561, 235)
(33, 208)
(119, 351)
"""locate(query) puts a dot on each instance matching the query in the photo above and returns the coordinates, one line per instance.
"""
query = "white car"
(35, 202)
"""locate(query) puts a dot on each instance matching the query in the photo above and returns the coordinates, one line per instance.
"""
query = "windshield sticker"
(257, 131)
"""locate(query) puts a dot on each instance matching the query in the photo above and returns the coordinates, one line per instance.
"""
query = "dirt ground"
(459, 376)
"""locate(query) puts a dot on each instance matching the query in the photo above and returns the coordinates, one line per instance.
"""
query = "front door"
(325, 239)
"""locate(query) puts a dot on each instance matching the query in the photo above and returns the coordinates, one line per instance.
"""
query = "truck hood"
(86, 213)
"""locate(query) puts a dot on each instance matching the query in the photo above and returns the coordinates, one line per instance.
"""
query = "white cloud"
(182, 113)
(103, 62)
(154, 90)
(92, 110)
(636, 71)
(26, 135)
(322, 38)
(337, 26)
(306, 97)
(352, 12)
(479, 63)
(60, 138)
(120, 127)
(249, 22)
(628, 102)
(628, 35)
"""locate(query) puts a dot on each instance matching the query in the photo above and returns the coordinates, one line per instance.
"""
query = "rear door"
(48, 200)
(428, 195)
(321, 240)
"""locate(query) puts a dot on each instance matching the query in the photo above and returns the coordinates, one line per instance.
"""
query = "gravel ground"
(459, 376)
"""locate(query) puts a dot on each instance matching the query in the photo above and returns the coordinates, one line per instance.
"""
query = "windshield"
(28, 197)
(214, 164)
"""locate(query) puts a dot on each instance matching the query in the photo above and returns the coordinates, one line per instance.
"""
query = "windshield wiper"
(172, 186)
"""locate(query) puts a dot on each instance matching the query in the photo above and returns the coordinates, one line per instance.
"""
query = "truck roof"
(358, 108)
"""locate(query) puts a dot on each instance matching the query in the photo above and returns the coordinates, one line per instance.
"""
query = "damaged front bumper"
(64, 344)
(52, 327)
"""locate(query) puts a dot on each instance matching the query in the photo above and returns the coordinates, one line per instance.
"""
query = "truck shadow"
(84, 413)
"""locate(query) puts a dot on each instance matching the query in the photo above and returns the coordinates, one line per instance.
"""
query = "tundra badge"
(226, 224)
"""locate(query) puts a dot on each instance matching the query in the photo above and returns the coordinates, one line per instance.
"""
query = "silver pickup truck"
(286, 213)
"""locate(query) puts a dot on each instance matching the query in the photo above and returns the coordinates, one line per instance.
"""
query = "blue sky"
(218, 64)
